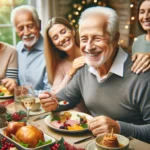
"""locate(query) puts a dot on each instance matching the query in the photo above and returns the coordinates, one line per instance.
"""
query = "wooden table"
(71, 138)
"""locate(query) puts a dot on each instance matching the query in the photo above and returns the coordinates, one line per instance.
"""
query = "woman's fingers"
(141, 63)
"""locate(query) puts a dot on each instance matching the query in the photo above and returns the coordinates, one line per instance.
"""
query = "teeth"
(92, 55)
(66, 43)
(146, 23)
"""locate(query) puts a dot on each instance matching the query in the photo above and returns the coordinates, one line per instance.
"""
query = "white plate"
(92, 146)
(3, 97)
(49, 117)
(38, 112)
(46, 137)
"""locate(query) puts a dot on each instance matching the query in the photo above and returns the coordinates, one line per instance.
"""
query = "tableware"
(123, 142)
(39, 118)
(4, 93)
(38, 112)
(24, 98)
(92, 146)
(19, 93)
(4, 97)
(85, 139)
(46, 137)
(36, 106)
(74, 114)
(63, 103)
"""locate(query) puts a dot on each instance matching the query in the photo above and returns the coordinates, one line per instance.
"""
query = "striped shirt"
(8, 61)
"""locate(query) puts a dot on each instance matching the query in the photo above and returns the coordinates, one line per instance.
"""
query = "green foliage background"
(6, 6)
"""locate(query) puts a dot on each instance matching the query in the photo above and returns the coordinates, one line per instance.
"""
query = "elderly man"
(115, 96)
(32, 70)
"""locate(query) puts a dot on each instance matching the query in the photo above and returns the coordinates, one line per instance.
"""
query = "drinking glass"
(28, 99)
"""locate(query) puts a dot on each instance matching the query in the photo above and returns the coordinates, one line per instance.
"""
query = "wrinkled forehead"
(93, 22)
(24, 16)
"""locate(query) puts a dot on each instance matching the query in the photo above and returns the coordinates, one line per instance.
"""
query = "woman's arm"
(11, 77)
(61, 80)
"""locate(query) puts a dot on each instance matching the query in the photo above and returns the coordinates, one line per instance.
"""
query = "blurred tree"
(80, 5)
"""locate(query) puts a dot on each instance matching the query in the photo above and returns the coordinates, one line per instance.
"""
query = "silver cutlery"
(85, 139)
(39, 118)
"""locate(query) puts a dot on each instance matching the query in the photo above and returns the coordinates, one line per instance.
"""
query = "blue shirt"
(32, 68)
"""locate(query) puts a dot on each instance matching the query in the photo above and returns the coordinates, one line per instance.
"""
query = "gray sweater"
(125, 99)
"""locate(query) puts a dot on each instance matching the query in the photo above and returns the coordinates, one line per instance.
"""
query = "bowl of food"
(112, 142)
(36, 106)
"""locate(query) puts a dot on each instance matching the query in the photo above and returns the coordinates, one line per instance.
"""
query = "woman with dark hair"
(141, 47)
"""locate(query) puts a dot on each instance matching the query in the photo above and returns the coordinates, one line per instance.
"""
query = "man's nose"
(26, 31)
(90, 46)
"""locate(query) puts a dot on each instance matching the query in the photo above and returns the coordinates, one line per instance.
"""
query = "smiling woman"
(61, 47)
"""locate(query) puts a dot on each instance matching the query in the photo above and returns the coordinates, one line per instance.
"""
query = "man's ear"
(117, 36)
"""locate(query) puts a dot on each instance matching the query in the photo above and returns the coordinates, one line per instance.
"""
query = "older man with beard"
(115, 96)
(32, 70)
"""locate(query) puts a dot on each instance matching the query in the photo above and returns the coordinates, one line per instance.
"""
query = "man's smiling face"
(95, 42)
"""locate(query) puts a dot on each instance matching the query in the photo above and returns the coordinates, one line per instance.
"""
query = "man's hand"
(102, 125)
(77, 63)
(48, 101)
(141, 62)
(9, 83)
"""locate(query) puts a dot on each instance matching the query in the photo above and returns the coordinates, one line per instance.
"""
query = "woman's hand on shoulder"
(77, 63)
(141, 62)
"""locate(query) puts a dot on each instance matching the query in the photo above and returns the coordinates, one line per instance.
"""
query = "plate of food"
(4, 93)
(68, 121)
(26, 137)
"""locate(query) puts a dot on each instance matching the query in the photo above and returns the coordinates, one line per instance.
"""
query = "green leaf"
(55, 118)
(41, 143)
(84, 125)
(0, 144)
(23, 144)
(61, 141)
(8, 117)
(21, 112)
(1, 94)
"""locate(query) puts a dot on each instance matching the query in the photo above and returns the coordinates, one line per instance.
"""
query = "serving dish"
(20, 147)
(74, 115)
(92, 146)
(4, 97)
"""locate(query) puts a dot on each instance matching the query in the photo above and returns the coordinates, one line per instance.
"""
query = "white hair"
(28, 8)
(113, 21)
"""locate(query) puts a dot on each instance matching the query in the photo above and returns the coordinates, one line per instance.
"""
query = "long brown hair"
(53, 55)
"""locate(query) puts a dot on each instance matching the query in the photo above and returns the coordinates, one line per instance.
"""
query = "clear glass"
(24, 97)
(28, 100)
